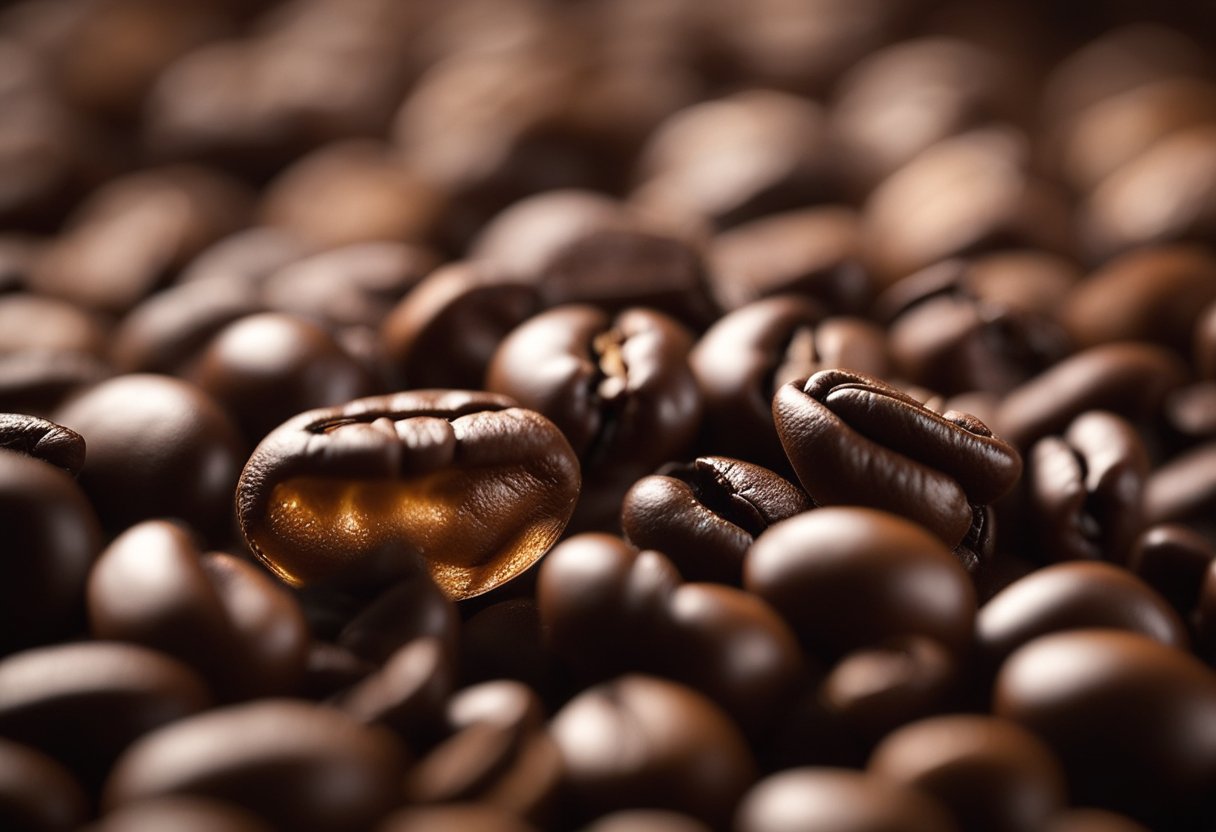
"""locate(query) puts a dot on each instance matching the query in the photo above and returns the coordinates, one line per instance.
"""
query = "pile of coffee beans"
(607, 415)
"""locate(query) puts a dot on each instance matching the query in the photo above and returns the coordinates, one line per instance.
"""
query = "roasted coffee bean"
(1093, 820)
(183, 814)
(51, 537)
(264, 369)
(1085, 490)
(1166, 193)
(1073, 596)
(838, 800)
(1183, 490)
(812, 251)
(407, 694)
(990, 774)
(33, 323)
(444, 332)
(618, 387)
(1154, 294)
(83, 703)
(645, 820)
(1172, 559)
(914, 218)
(46, 441)
(164, 217)
(246, 257)
(1128, 378)
(256, 755)
(158, 447)
(168, 330)
(638, 742)
(843, 579)
(38, 382)
(722, 162)
(330, 669)
(221, 615)
(411, 609)
(355, 495)
(37, 794)
(1127, 716)
(454, 817)
(1191, 411)
(351, 192)
(900, 100)
(1029, 280)
(855, 440)
(946, 335)
(742, 360)
(704, 515)
(873, 690)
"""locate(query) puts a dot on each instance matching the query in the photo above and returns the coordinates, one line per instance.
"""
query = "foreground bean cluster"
(613, 415)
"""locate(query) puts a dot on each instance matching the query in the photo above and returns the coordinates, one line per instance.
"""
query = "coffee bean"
(1172, 560)
(382, 481)
(37, 794)
(42, 440)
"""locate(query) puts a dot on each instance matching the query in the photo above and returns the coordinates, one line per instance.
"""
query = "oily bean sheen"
(222, 615)
(638, 742)
(466, 486)
(704, 515)
(1073, 596)
(1172, 559)
(83, 703)
(1130, 719)
(50, 539)
(990, 774)
(837, 800)
(854, 440)
(297, 765)
(846, 578)
(62, 447)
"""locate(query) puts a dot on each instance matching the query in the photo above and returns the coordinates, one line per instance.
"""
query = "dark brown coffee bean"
(1085, 489)
(1128, 378)
(158, 447)
(946, 335)
(406, 694)
(706, 514)
(1127, 716)
(37, 794)
(838, 800)
(1028, 280)
(845, 433)
(743, 359)
(1073, 596)
(1172, 559)
(639, 742)
(41, 324)
(254, 755)
(722, 162)
(51, 537)
(502, 702)
(990, 774)
(37, 382)
(168, 330)
(454, 817)
(881, 119)
(409, 610)
(164, 217)
(330, 669)
(444, 332)
(1154, 294)
(1166, 193)
(848, 578)
(1191, 411)
(351, 192)
(968, 192)
(873, 690)
(1183, 489)
(223, 616)
(42, 440)
(246, 257)
(356, 495)
(84, 703)
(812, 251)
(264, 369)
(183, 814)
(1093, 820)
